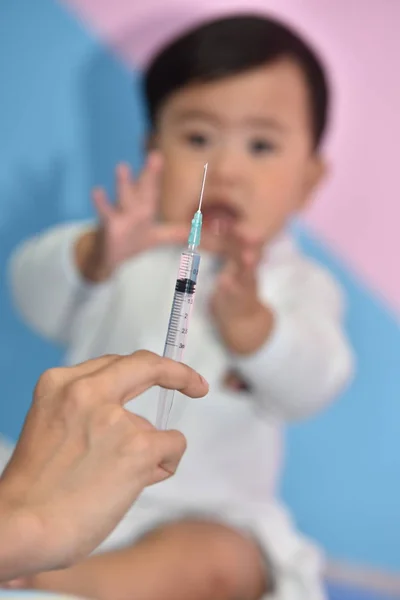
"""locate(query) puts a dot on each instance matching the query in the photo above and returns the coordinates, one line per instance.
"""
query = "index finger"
(129, 376)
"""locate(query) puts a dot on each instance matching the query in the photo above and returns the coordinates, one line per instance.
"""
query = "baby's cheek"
(269, 219)
(176, 203)
(171, 209)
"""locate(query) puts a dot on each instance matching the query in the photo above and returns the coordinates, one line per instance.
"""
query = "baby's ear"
(316, 172)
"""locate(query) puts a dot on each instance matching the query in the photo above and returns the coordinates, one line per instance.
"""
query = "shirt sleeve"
(307, 360)
(46, 285)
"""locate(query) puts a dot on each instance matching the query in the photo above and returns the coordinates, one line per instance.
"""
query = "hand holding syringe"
(185, 289)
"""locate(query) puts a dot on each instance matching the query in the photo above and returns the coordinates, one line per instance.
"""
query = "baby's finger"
(228, 277)
(247, 236)
(232, 249)
(148, 184)
(102, 204)
(125, 186)
(240, 269)
(248, 248)
(170, 234)
(246, 277)
(250, 257)
(231, 268)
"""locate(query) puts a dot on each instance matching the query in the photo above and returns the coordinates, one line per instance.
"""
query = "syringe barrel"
(175, 343)
(165, 401)
(182, 304)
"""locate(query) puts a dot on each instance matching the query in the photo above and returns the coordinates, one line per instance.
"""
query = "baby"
(248, 96)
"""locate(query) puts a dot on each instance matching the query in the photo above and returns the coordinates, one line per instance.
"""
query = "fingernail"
(203, 380)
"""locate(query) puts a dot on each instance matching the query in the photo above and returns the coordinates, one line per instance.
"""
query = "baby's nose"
(224, 166)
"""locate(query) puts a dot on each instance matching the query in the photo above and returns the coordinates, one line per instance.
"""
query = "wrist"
(22, 545)
(89, 257)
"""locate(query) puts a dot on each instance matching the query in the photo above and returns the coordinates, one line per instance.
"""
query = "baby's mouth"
(219, 218)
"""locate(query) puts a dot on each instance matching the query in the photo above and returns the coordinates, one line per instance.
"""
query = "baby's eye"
(199, 140)
(261, 146)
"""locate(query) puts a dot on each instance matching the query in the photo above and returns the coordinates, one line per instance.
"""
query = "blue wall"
(67, 115)
(343, 475)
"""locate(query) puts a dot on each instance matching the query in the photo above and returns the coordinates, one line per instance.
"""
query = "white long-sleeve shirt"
(234, 438)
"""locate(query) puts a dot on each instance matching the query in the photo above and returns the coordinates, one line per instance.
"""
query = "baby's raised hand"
(128, 226)
(243, 320)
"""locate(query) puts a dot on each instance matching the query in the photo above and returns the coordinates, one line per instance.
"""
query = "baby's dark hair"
(231, 46)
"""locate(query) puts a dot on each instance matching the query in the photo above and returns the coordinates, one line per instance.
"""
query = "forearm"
(47, 285)
(88, 257)
(101, 576)
(303, 365)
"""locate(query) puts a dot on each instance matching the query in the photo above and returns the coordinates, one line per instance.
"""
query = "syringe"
(182, 304)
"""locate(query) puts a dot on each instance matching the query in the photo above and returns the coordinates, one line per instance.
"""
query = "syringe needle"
(202, 186)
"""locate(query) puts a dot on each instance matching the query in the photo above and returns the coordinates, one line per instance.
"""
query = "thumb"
(168, 449)
(170, 234)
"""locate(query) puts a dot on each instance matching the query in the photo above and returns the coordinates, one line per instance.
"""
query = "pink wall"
(358, 211)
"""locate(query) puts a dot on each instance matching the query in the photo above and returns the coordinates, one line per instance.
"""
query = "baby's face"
(254, 130)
